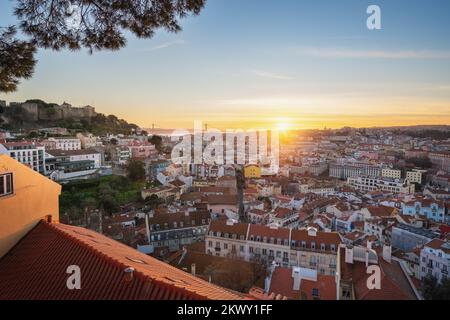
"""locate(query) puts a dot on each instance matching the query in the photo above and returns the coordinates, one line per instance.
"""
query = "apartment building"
(28, 153)
(120, 155)
(440, 160)
(367, 184)
(435, 259)
(88, 140)
(429, 208)
(314, 169)
(267, 244)
(174, 230)
(66, 143)
(415, 175)
(77, 155)
(354, 169)
(391, 173)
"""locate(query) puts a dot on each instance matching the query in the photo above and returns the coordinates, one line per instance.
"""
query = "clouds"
(375, 54)
(165, 45)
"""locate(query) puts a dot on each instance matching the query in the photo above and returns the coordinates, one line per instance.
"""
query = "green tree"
(91, 24)
(16, 59)
(433, 290)
(423, 162)
(156, 141)
(135, 170)
(153, 201)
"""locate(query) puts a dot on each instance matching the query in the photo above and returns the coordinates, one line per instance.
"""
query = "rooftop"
(36, 269)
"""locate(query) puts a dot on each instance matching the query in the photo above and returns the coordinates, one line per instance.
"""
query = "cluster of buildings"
(64, 158)
(338, 205)
(341, 204)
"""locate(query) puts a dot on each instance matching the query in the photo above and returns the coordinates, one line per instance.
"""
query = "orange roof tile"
(36, 269)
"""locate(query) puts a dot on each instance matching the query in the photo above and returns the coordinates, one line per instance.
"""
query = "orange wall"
(35, 197)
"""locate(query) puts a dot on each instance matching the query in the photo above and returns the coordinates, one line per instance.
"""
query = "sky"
(265, 63)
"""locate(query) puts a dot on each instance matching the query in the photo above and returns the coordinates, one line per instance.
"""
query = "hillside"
(36, 114)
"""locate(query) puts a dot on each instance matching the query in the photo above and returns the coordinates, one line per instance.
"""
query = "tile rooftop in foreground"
(35, 268)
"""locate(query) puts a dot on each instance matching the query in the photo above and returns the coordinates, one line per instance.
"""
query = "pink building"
(142, 150)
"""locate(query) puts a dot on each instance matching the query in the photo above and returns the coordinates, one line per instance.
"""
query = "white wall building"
(435, 259)
(66, 143)
(29, 153)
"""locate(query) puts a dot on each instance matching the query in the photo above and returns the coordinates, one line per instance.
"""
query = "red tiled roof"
(36, 269)
(394, 284)
(240, 229)
(327, 238)
(381, 211)
(282, 283)
(213, 199)
(282, 213)
(438, 244)
(265, 231)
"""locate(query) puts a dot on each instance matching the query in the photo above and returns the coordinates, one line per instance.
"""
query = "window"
(6, 184)
(315, 292)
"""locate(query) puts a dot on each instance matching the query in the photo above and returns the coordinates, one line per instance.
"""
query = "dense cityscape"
(199, 159)
(339, 202)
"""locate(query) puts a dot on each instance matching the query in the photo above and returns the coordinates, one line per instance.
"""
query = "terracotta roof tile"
(36, 269)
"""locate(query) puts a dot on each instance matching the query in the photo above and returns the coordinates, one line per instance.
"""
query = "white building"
(66, 143)
(267, 244)
(29, 153)
(76, 155)
(435, 259)
(367, 184)
(88, 141)
(391, 173)
(415, 175)
(344, 170)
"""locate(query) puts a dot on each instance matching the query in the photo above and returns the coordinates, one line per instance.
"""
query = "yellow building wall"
(252, 172)
(35, 196)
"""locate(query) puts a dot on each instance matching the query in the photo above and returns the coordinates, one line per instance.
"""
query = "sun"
(283, 126)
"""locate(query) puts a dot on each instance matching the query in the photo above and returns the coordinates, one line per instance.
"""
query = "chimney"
(297, 278)
(193, 269)
(129, 273)
(387, 252)
(312, 232)
(49, 218)
(349, 254)
(230, 222)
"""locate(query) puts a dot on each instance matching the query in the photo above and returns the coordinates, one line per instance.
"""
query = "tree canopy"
(91, 24)
(135, 170)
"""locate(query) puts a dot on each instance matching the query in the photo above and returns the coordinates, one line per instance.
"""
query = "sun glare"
(283, 126)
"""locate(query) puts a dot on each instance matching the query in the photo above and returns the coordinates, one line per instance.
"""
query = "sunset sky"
(260, 63)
